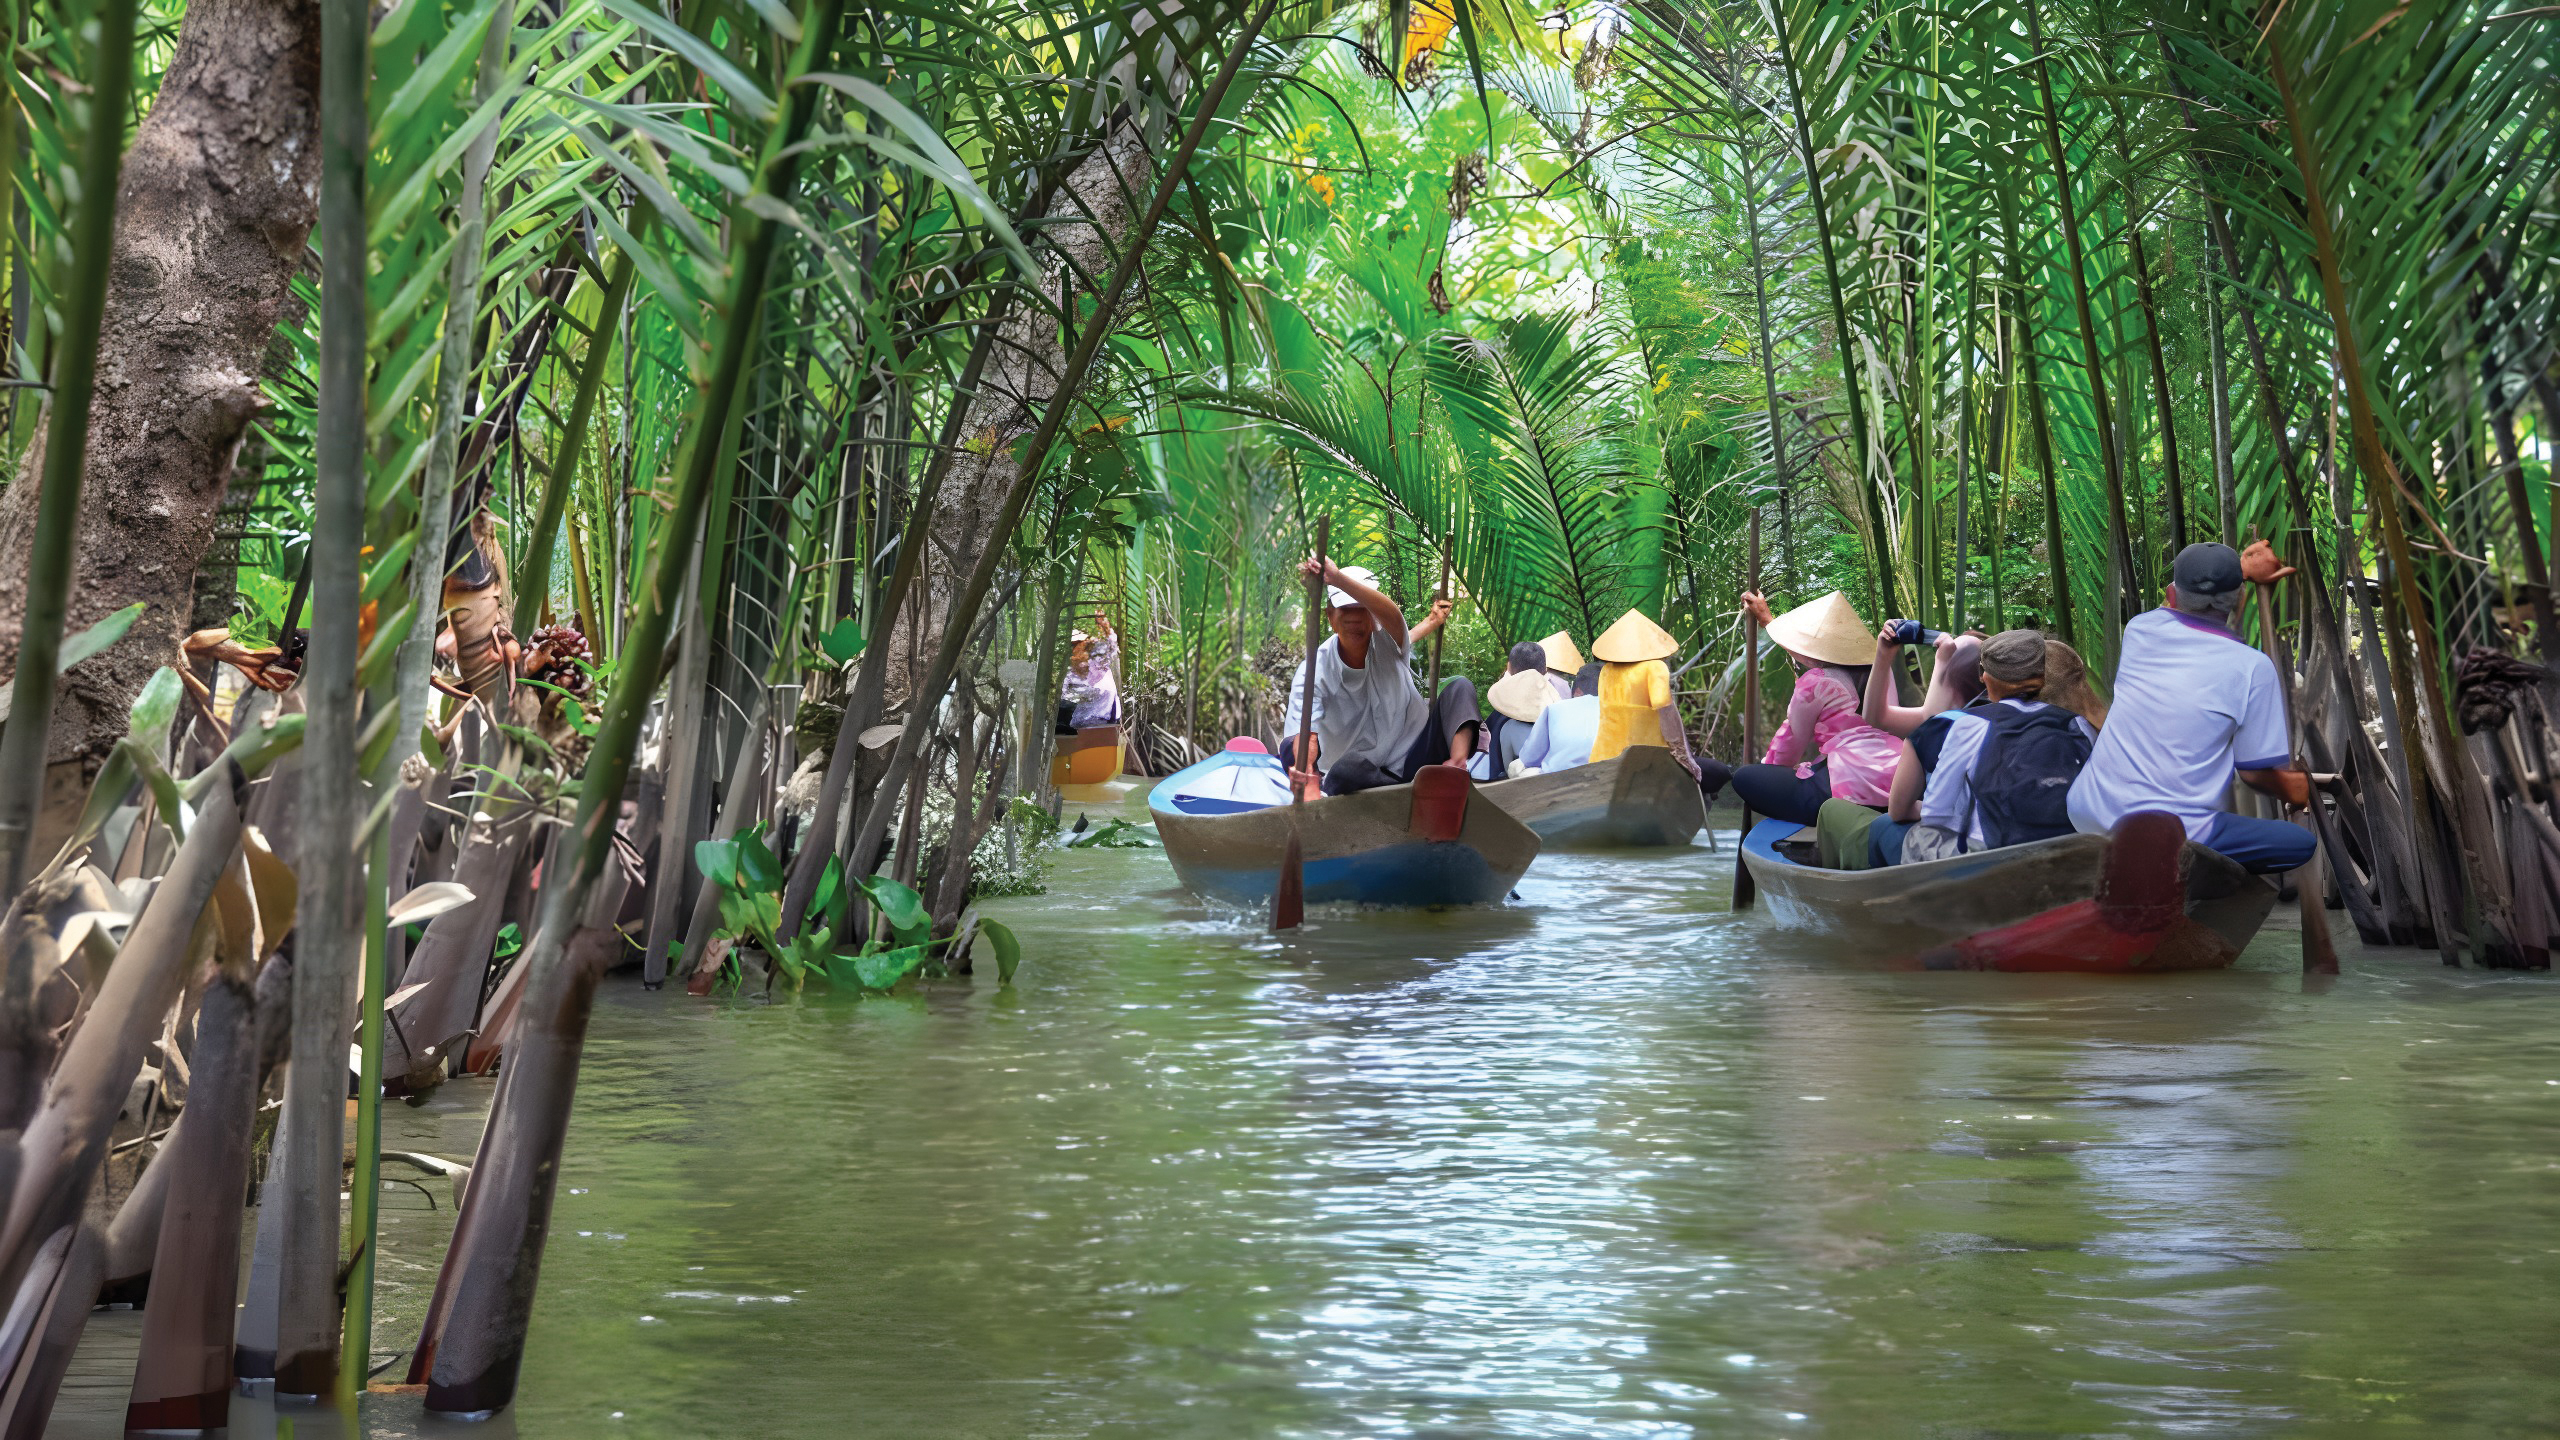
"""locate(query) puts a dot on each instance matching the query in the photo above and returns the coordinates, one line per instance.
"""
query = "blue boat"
(1226, 821)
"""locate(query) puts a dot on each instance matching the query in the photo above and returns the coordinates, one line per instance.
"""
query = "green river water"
(1608, 1161)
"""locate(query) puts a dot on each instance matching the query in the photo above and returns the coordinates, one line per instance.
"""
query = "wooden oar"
(1746, 890)
(2310, 887)
(1289, 898)
(1433, 692)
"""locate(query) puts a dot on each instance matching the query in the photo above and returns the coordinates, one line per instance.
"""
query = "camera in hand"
(1911, 632)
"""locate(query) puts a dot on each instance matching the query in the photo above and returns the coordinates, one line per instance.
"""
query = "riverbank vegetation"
(514, 489)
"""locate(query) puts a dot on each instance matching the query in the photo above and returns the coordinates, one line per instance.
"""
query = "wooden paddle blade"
(1289, 900)
(1746, 891)
(2319, 952)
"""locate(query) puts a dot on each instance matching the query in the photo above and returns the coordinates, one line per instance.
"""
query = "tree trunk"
(217, 203)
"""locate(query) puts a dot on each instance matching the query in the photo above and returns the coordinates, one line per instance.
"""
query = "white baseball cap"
(1338, 597)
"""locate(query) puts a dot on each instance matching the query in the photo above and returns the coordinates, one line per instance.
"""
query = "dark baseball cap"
(2206, 568)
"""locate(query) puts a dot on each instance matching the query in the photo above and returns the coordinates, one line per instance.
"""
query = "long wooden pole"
(1441, 634)
(2319, 951)
(1745, 890)
(1289, 897)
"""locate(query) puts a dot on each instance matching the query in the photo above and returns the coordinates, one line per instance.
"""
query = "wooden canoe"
(1935, 913)
(1364, 848)
(1090, 756)
(1641, 797)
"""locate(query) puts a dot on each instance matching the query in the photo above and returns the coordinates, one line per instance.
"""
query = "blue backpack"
(2022, 775)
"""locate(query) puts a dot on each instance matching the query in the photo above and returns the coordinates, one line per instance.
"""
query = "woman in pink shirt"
(1825, 750)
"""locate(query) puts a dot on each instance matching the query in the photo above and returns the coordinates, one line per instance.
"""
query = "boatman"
(1090, 695)
(1372, 726)
(2194, 704)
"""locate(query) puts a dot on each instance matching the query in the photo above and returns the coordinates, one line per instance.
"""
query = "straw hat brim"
(1562, 657)
(1522, 695)
(1632, 640)
(1827, 630)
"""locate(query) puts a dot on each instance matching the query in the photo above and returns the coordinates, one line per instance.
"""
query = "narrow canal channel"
(1607, 1162)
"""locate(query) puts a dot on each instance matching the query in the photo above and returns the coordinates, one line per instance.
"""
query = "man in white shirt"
(1562, 736)
(2195, 703)
(1372, 726)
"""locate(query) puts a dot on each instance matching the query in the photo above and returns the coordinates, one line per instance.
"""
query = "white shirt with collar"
(1372, 711)
(2193, 704)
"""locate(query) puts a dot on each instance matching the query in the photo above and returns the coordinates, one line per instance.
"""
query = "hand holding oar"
(1745, 889)
(1289, 898)
(2319, 951)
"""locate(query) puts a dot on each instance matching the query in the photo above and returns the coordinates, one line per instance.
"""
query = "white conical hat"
(1562, 658)
(1634, 638)
(1827, 630)
(1522, 695)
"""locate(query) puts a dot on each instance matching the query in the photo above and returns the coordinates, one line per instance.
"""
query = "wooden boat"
(2143, 900)
(1090, 756)
(1438, 843)
(1641, 797)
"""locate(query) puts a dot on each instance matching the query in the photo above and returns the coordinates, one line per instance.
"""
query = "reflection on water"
(1609, 1161)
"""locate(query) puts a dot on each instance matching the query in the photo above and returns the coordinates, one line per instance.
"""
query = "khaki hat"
(1522, 694)
(1634, 638)
(1562, 658)
(1827, 630)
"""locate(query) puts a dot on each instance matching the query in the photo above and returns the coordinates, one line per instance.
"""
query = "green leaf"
(83, 645)
(883, 969)
(1008, 948)
(833, 902)
(845, 641)
(901, 907)
(717, 860)
(155, 709)
(757, 869)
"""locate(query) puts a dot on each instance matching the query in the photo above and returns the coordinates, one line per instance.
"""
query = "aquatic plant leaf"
(833, 902)
(1008, 949)
(902, 907)
(882, 969)
(717, 860)
(757, 869)
(845, 641)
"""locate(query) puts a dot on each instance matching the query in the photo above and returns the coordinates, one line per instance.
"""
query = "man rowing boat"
(2194, 704)
(1372, 726)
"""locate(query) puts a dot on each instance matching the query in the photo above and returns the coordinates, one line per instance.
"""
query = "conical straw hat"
(1562, 658)
(1522, 695)
(1827, 630)
(1632, 639)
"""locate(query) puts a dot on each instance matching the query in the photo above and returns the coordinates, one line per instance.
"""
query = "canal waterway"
(1608, 1161)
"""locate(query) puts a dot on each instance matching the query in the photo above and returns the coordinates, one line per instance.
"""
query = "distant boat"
(2143, 900)
(1226, 821)
(1640, 797)
(1090, 756)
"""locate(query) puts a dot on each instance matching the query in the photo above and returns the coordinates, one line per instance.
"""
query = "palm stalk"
(331, 937)
(23, 742)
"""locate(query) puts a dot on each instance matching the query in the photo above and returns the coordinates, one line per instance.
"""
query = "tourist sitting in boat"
(2000, 769)
(1371, 725)
(1563, 662)
(2066, 684)
(2195, 704)
(1562, 737)
(1955, 682)
(1635, 692)
(1502, 731)
(1090, 695)
(1517, 700)
(1826, 750)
